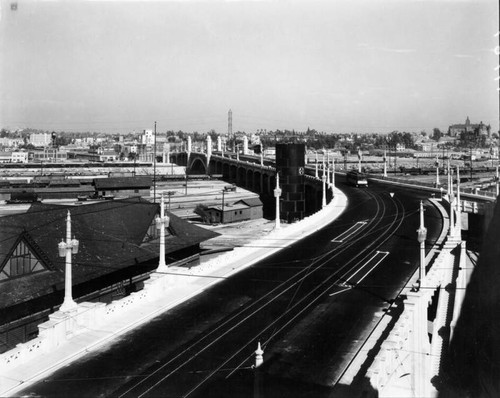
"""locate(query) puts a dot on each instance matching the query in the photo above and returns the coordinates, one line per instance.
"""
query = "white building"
(19, 157)
(148, 137)
(40, 139)
(11, 142)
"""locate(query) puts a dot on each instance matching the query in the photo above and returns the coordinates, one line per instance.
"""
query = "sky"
(335, 66)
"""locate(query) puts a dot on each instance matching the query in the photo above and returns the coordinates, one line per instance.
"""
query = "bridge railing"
(470, 192)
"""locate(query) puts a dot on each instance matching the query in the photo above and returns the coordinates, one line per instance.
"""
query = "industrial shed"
(123, 187)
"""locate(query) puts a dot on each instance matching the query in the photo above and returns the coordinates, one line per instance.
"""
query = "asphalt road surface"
(311, 306)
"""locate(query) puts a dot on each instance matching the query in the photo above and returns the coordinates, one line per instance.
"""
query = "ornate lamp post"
(458, 205)
(316, 173)
(437, 173)
(323, 178)
(66, 249)
(385, 163)
(328, 174)
(333, 172)
(259, 356)
(162, 222)
(277, 194)
(421, 236)
(497, 182)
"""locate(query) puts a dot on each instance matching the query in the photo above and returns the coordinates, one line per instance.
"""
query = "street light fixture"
(66, 249)
(162, 222)
(421, 236)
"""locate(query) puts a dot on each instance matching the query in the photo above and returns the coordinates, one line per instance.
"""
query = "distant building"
(40, 139)
(148, 137)
(241, 210)
(481, 129)
(49, 155)
(123, 187)
(11, 142)
(5, 157)
(19, 157)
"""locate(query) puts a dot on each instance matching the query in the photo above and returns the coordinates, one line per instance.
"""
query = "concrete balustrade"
(407, 345)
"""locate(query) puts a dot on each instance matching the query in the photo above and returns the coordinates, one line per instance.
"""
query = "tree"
(436, 134)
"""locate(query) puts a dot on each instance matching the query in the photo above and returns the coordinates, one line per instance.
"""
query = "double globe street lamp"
(66, 249)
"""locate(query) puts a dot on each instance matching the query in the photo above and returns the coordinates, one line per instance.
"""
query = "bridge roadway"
(311, 306)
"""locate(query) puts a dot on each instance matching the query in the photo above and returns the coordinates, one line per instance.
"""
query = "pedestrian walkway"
(169, 289)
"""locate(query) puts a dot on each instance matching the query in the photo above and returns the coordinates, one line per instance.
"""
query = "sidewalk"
(165, 292)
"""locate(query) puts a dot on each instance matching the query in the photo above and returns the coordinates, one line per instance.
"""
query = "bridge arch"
(197, 165)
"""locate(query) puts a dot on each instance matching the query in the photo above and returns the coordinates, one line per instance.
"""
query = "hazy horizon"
(338, 66)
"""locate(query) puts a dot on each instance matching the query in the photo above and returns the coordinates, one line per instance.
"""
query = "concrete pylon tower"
(219, 143)
(245, 145)
(209, 146)
(277, 194)
(162, 222)
(189, 147)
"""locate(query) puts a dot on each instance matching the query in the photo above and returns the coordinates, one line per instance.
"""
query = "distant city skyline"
(338, 67)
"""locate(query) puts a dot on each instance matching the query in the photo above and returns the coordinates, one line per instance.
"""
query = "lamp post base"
(68, 305)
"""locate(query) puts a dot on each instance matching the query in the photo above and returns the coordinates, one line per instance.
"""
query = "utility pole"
(470, 155)
(170, 193)
(154, 168)
(222, 207)
(230, 127)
